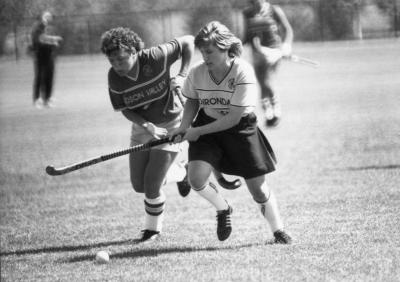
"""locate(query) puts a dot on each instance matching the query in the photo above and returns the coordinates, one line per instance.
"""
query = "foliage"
(339, 16)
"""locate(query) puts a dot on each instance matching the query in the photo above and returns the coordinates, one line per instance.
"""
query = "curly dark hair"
(120, 38)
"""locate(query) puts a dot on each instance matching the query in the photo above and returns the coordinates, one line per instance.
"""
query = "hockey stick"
(303, 61)
(51, 170)
(273, 55)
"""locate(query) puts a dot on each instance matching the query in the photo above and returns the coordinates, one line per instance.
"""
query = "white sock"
(210, 193)
(154, 212)
(270, 211)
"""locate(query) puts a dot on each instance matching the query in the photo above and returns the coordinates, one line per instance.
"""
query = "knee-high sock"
(210, 193)
(154, 212)
(269, 209)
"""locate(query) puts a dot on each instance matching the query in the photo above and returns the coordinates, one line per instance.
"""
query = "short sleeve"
(173, 51)
(188, 87)
(246, 90)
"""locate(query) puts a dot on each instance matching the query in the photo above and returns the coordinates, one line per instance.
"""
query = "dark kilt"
(242, 150)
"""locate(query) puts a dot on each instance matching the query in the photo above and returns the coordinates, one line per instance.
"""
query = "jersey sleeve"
(172, 50)
(188, 87)
(245, 94)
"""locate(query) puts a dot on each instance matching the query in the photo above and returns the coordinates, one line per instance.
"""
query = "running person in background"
(43, 47)
(264, 25)
(140, 87)
(220, 124)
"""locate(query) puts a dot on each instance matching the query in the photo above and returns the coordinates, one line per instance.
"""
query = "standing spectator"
(270, 35)
(43, 47)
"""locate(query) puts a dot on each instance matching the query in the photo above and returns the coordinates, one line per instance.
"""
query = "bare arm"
(187, 43)
(157, 132)
(229, 120)
(288, 31)
(50, 39)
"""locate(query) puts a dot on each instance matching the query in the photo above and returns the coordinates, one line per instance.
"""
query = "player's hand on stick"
(286, 50)
(271, 55)
(177, 82)
(157, 132)
(177, 135)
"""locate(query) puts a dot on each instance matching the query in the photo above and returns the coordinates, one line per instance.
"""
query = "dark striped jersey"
(148, 94)
(263, 25)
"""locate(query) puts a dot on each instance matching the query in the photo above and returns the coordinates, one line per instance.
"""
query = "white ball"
(102, 257)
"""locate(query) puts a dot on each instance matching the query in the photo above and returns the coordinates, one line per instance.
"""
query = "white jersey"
(238, 88)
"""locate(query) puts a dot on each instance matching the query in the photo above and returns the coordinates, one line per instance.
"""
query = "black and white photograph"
(199, 140)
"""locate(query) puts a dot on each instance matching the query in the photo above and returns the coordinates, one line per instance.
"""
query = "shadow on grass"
(67, 248)
(159, 251)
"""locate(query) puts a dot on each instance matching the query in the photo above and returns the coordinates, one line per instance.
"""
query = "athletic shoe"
(149, 235)
(38, 104)
(184, 186)
(268, 109)
(277, 113)
(230, 185)
(273, 122)
(224, 227)
(281, 237)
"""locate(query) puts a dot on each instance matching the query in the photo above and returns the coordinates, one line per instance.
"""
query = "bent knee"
(196, 182)
(139, 188)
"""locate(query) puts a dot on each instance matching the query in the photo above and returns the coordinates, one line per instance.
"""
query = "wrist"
(146, 125)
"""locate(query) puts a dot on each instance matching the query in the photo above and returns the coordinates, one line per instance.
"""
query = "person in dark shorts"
(270, 35)
(43, 48)
(220, 124)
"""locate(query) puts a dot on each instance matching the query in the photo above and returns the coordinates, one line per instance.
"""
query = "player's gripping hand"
(177, 82)
(177, 135)
(286, 49)
(271, 55)
(157, 132)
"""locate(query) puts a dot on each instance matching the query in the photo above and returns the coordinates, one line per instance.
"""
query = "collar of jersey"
(133, 74)
(226, 74)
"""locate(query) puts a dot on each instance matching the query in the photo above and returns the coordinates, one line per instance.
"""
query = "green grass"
(337, 182)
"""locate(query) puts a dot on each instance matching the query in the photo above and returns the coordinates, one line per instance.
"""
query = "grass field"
(337, 181)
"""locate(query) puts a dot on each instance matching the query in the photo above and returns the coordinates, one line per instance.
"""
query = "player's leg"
(199, 173)
(158, 164)
(269, 100)
(36, 83)
(48, 82)
(267, 203)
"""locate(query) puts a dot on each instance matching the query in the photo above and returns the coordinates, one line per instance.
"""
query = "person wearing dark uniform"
(270, 35)
(43, 46)
(140, 86)
(220, 124)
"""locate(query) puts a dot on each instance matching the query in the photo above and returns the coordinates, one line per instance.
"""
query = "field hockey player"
(219, 120)
(140, 88)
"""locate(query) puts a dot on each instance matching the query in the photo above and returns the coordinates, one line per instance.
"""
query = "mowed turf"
(337, 181)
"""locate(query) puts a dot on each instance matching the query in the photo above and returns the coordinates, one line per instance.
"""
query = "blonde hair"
(219, 35)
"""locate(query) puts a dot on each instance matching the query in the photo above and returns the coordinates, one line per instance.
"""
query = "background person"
(220, 124)
(43, 46)
(271, 36)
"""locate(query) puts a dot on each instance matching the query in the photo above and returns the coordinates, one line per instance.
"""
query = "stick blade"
(51, 170)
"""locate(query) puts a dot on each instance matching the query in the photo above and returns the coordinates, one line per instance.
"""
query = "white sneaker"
(49, 103)
(268, 109)
(38, 104)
